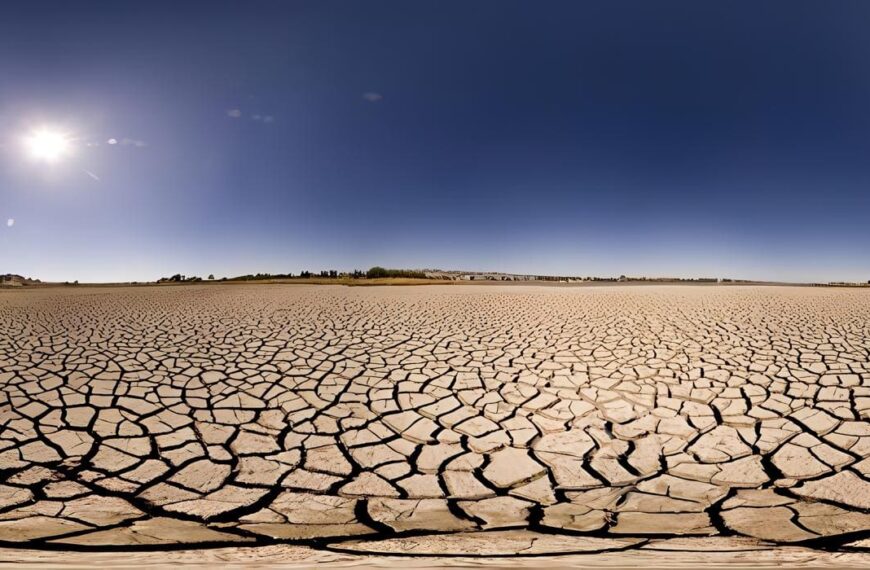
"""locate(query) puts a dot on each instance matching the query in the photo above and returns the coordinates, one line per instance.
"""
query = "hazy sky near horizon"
(587, 138)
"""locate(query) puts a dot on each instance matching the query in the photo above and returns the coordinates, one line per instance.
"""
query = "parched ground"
(282, 423)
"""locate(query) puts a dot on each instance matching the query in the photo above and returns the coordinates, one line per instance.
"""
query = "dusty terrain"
(287, 425)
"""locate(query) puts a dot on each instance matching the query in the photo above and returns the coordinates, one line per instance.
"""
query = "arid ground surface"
(291, 425)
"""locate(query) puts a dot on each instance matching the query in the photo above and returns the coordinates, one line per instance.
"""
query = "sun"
(48, 145)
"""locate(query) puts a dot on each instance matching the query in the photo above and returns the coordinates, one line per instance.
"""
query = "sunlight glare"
(48, 145)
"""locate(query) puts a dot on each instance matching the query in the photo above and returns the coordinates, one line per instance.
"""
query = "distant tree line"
(179, 278)
(379, 272)
(373, 273)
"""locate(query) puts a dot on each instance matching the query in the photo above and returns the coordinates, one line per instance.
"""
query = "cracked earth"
(396, 420)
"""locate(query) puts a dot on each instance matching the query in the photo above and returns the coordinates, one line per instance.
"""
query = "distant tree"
(377, 271)
(211, 277)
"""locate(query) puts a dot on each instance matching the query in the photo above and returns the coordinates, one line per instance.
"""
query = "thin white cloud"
(268, 119)
(91, 174)
(10, 222)
(112, 141)
(372, 97)
(234, 113)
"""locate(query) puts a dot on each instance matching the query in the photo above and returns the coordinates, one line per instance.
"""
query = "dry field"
(291, 425)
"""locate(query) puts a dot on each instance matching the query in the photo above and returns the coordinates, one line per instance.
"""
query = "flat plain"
(294, 425)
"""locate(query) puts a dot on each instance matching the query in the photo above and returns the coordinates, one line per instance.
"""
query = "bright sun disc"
(47, 145)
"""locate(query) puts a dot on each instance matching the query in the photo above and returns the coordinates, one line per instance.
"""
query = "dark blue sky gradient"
(657, 138)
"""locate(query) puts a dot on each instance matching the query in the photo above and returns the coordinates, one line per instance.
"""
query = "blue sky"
(588, 138)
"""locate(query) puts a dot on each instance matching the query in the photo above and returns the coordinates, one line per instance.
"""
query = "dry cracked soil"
(295, 425)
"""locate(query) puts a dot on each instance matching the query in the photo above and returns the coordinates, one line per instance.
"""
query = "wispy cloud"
(256, 117)
(372, 97)
(10, 222)
(91, 174)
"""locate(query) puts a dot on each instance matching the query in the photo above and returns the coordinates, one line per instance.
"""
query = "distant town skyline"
(665, 139)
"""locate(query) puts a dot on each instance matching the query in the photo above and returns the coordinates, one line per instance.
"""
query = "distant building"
(10, 280)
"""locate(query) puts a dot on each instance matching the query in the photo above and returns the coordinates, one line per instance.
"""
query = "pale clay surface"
(599, 423)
